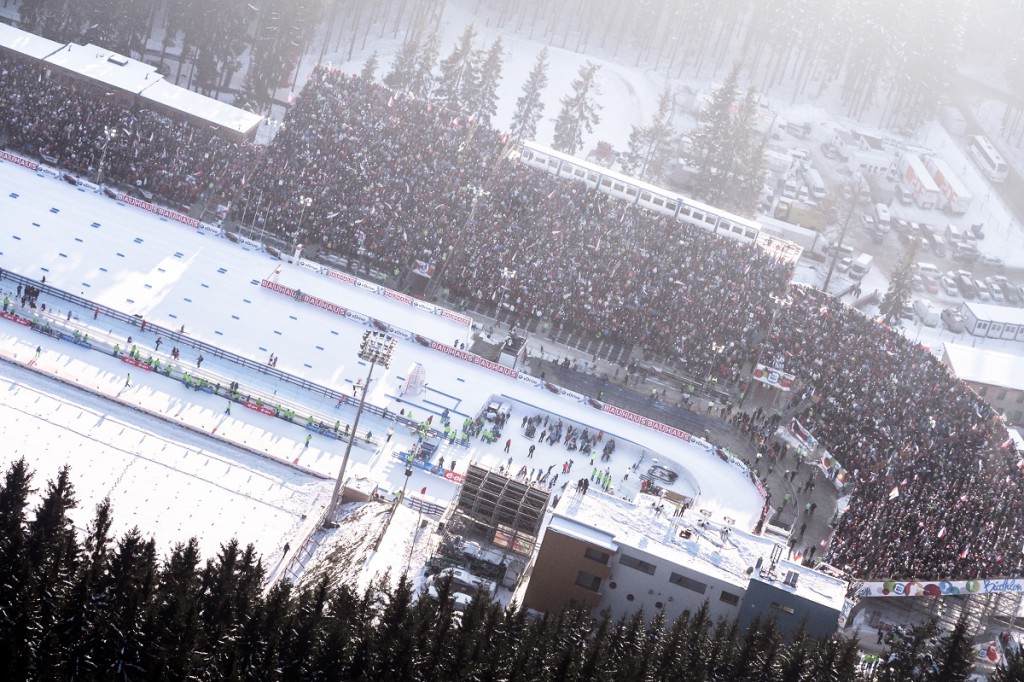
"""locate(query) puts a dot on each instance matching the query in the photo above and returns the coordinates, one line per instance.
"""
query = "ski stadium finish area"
(933, 479)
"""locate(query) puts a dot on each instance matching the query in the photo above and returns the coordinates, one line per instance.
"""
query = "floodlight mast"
(376, 348)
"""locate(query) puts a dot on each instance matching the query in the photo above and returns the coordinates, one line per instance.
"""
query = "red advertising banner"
(159, 210)
(265, 409)
(454, 477)
(14, 318)
(18, 161)
(341, 276)
(305, 298)
(401, 298)
(475, 359)
(463, 319)
(649, 423)
(138, 363)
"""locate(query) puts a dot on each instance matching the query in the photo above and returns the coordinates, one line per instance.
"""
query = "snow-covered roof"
(995, 313)
(810, 584)
(104, 66)
(641, 526)
(583, 532)
(982, 366)
(199, 106)
(26, 43)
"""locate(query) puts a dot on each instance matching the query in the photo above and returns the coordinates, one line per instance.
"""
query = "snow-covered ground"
(173, 275)
(171, 483)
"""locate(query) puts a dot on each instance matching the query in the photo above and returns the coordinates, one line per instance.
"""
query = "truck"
(797, 213)
(861, 266)
(954, 196)
(810, 240)
(919, 180)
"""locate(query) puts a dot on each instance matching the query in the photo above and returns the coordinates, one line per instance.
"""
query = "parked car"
(1013, 296)
(844, 264)
(917, 283)
(953, 320)
(983, 291)
(931, 284)
(868, 222)
(965, 252)
(993, 261)
(997, 291)
(460, 600)
(949, 286)
(828, 150)
(463, 579)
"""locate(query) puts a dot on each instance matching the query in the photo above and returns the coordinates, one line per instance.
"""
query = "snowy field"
(169, 482)
(173, 275)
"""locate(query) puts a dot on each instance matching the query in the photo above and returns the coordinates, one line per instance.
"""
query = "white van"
(815, 184)
(882, 218)
(954, 235)
(861, 266)
(928, 313)
(928, 269)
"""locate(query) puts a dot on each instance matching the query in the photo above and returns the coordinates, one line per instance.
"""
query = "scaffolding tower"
(508, 512)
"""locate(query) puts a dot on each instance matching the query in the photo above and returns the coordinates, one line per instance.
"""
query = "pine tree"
(712, 141)
(794, 659)
(907, 655)
(81, 631)
(456, 69)
(301, 632)
(421, 81)
(403, 67)
(172, 624)
(369, 70)
(15, 572)
(484, 102)
(901, 285)
(530, 105)
(747, 171)
(650, 146)
(954, 658)
(53, 553)
(119, 651)
(579, 111)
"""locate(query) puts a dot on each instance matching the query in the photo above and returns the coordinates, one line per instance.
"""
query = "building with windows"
(996, 376)
(616, 554)
(993, 321)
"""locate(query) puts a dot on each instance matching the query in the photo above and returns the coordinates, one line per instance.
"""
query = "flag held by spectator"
(894, 493)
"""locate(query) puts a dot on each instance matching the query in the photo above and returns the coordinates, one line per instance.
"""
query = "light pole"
(111, 133)
(376, 348)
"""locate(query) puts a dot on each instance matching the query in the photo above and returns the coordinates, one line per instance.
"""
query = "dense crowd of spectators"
(370, 174)
(937, 487)
(69, 125)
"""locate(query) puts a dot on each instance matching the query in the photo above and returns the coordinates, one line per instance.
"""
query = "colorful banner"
(939, 588)
(773, 377)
